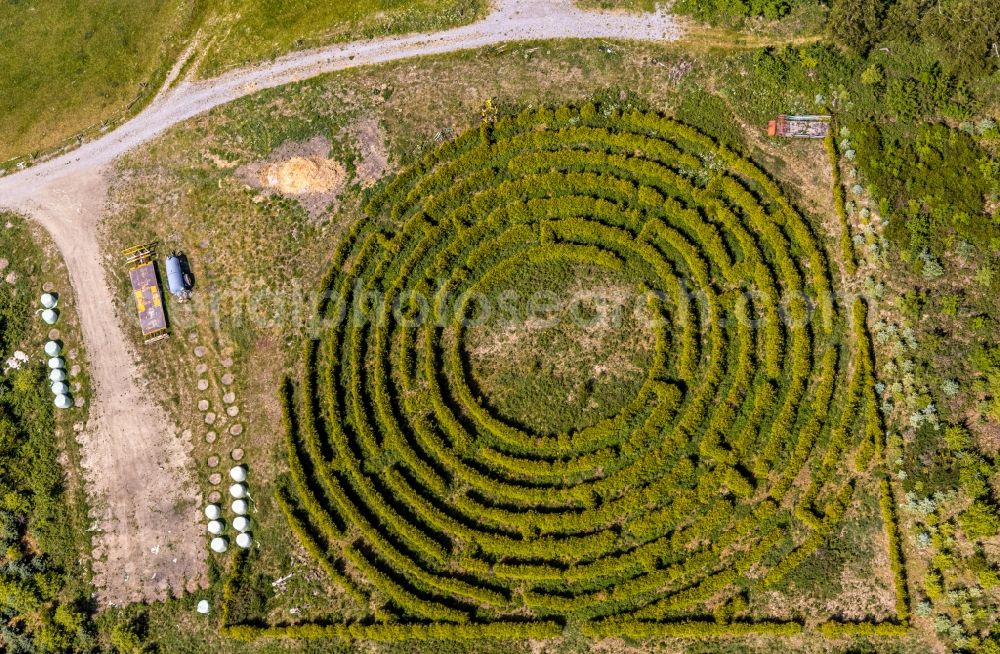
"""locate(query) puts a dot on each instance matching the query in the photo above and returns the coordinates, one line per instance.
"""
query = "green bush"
(980, 520)
(857, 24)
(720, 10)
(931, 176)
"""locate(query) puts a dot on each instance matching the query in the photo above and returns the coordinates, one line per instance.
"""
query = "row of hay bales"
(53, 350)
(240, 507)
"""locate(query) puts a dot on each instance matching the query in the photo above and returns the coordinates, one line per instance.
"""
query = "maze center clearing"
(559, 346)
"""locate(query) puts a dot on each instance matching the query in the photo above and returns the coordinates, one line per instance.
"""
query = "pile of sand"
(300, 175)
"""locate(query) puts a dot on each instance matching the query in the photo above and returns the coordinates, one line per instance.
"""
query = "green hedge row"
(399, 632)
(890, 521)
(846, 243)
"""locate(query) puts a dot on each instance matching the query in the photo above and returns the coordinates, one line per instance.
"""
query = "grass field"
(263, 29)
(67, 66)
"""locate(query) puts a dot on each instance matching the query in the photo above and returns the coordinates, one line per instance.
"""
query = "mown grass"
(66, 66)
(263, 29)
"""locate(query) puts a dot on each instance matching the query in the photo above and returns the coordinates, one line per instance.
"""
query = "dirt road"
(144, 500)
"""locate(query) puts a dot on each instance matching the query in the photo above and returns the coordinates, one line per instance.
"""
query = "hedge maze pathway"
(734, 462)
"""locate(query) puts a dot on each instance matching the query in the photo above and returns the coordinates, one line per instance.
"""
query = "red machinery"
(802, 127)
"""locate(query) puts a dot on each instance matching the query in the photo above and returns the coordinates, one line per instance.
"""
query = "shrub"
(856, 24)
(979, 520)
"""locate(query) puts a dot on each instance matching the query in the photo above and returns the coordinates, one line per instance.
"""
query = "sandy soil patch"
(299, 170)
(369, 139)
(304, 171)
(299, 176)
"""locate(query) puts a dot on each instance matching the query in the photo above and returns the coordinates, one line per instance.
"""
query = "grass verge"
(45, 544)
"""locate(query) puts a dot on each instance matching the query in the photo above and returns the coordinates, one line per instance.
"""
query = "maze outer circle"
(731, 465)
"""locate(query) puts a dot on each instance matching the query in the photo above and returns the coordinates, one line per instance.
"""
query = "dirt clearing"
(298, 176)
(301, 171)
(370, 141)
(143, 505)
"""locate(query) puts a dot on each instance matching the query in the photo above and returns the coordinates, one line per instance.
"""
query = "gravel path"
(145, 503)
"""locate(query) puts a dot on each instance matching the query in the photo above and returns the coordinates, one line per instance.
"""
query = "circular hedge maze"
(732, 458)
